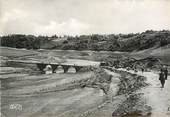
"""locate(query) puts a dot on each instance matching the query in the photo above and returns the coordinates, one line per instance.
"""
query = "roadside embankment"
(134, 103)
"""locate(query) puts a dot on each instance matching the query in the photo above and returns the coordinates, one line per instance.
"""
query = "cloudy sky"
(75, 17)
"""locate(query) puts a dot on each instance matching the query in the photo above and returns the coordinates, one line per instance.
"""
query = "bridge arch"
(59, 69)
(48, 69)
(71, 69)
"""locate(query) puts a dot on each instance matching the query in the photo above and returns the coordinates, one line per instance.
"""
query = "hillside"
(162, 53)
(95, 42)
(121, 42)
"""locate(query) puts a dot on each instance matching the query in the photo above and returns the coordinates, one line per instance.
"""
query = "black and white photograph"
(84, 58)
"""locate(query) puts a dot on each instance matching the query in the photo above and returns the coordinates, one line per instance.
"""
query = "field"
(25, 92)
(43, 95)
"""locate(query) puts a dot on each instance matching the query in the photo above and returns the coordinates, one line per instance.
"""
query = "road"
(155, 96)
(158, 98)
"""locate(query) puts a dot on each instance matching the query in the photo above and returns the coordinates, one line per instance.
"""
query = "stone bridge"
(42, 66)
(54, 65)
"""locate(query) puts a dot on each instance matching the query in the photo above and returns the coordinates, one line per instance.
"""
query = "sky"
(78, 17)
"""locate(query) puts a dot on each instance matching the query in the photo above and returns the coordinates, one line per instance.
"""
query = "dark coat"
(166, 71)
(161, 76)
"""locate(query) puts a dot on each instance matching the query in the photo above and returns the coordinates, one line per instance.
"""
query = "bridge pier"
(65, 68)
(54, 67)
(77, 68)
(41, 66)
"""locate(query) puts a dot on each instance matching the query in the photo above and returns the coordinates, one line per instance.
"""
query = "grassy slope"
(163, 53)
(12, 52)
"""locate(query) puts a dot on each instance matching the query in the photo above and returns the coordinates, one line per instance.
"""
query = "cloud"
(17, 21)
(70, 27)
(83, 17)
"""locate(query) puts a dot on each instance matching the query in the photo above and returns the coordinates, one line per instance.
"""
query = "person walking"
(162, 78)
(166, 73)
(142, 69)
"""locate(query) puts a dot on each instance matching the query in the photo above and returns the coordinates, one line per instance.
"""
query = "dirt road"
(155, 96)
(158, 98)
